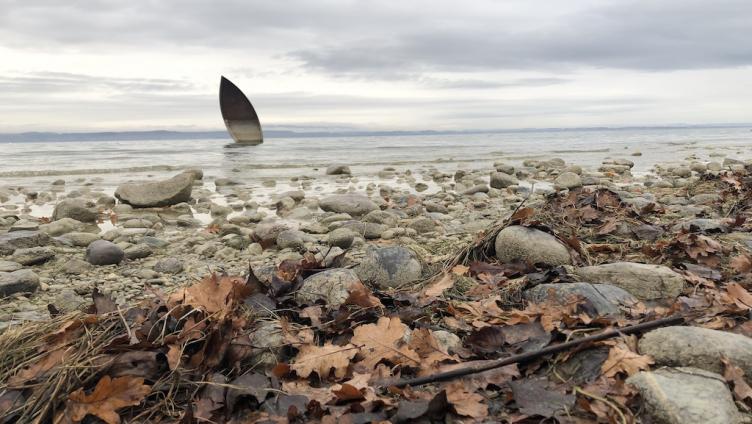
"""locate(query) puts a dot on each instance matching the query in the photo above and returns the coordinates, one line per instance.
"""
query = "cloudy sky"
(78, 65)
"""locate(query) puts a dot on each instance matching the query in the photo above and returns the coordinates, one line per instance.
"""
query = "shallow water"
(108, 163)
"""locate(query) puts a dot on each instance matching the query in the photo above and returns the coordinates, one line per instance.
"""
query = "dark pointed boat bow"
(240, 118)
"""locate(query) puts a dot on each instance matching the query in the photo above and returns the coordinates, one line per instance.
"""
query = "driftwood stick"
(530, 356)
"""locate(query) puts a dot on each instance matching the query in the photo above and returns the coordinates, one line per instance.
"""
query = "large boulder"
(157, 193)
(604, 299)
(332, 286)
(697, 347)
(685, 396)
(338, 170)
(103, 252)
(21, 281)
(518, 243)
(644, 281)
(9, 242)
(389, 267)
(352, 204)
(77, 209)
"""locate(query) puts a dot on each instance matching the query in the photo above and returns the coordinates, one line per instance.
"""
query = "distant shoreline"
(195, 135)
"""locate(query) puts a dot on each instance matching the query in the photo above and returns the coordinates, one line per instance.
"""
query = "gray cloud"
(352, 37)
(64, 82)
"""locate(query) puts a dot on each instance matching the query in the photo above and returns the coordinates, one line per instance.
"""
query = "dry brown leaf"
(423, 342)
(360, 295)
(742, 264)
(39, 367)
(622, 359)
(460, 270)
(436, 288)
(384, 340)
(321, 359)
(212, 294)
(734, 374)
(465, 402)
(108, 396)
(739, 295)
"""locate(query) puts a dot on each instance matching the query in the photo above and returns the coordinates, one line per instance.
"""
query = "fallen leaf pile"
(238, 350)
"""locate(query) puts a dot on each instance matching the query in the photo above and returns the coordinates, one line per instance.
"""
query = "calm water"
(111, 162)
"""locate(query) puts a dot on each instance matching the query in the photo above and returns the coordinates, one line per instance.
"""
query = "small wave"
(53, 172)
(582, 151)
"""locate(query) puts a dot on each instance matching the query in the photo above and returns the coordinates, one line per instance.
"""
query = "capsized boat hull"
(240, 117)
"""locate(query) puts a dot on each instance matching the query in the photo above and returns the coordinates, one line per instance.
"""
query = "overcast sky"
(408, 64)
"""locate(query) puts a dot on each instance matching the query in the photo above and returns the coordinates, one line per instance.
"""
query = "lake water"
(111, 162)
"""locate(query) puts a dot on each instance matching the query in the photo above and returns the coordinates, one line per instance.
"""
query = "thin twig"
(530, 356)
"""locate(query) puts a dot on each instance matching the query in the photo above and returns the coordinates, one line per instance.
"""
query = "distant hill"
(195, 135)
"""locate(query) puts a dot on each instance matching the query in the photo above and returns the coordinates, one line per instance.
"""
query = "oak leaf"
(321, 359)
(622, 359)
(734, 374)
(739, 295)
(108, 396)
(212, 294)
(466, 402)
(742, 264)
(384, 340)
(437, 287)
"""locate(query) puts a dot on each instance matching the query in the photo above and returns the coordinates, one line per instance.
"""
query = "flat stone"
(389, 266)
(9, 242)
(103, 252)
(138, 251)
(9, 266)
(605, 299)
(75, 266)
(80, 239)
(352, 204)
(518, 243)
(292, 239)
(685, 396)
(32, 255)
(62, 226)
(332, 286)
(644, 281)
(21, 281)
(697, 347)
(367, 230)
(78, 209)
(157, 193)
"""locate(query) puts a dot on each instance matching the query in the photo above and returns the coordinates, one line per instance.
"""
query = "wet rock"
(62, 226)
(381, 217)
(225, 182)
(77, 209)
(341, 237)
(21, 281)
(389, 267)
(156, 193)
(504, 168)
(702, 225)
(685, 396)
(338, 170)
(196, 173)
(67, 300)
(79, 239)
(518, 243)
(138, 251)
(267, 340)
(75, 266)
(478, 188)
(9, 242)
(423, 225)
(604, 299)
(367, 230)
(9, 266)
(644, 281)
(503, 180)
(24, 225)
(292, 239)
(352, 204)
(32, 255)
(682, 172)
(697, 347)
(236, 241)
(267, 233)
(648, 232)
(169, 266)
(332, 286)
(103, 252)
(568, 180)
(435, 207)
